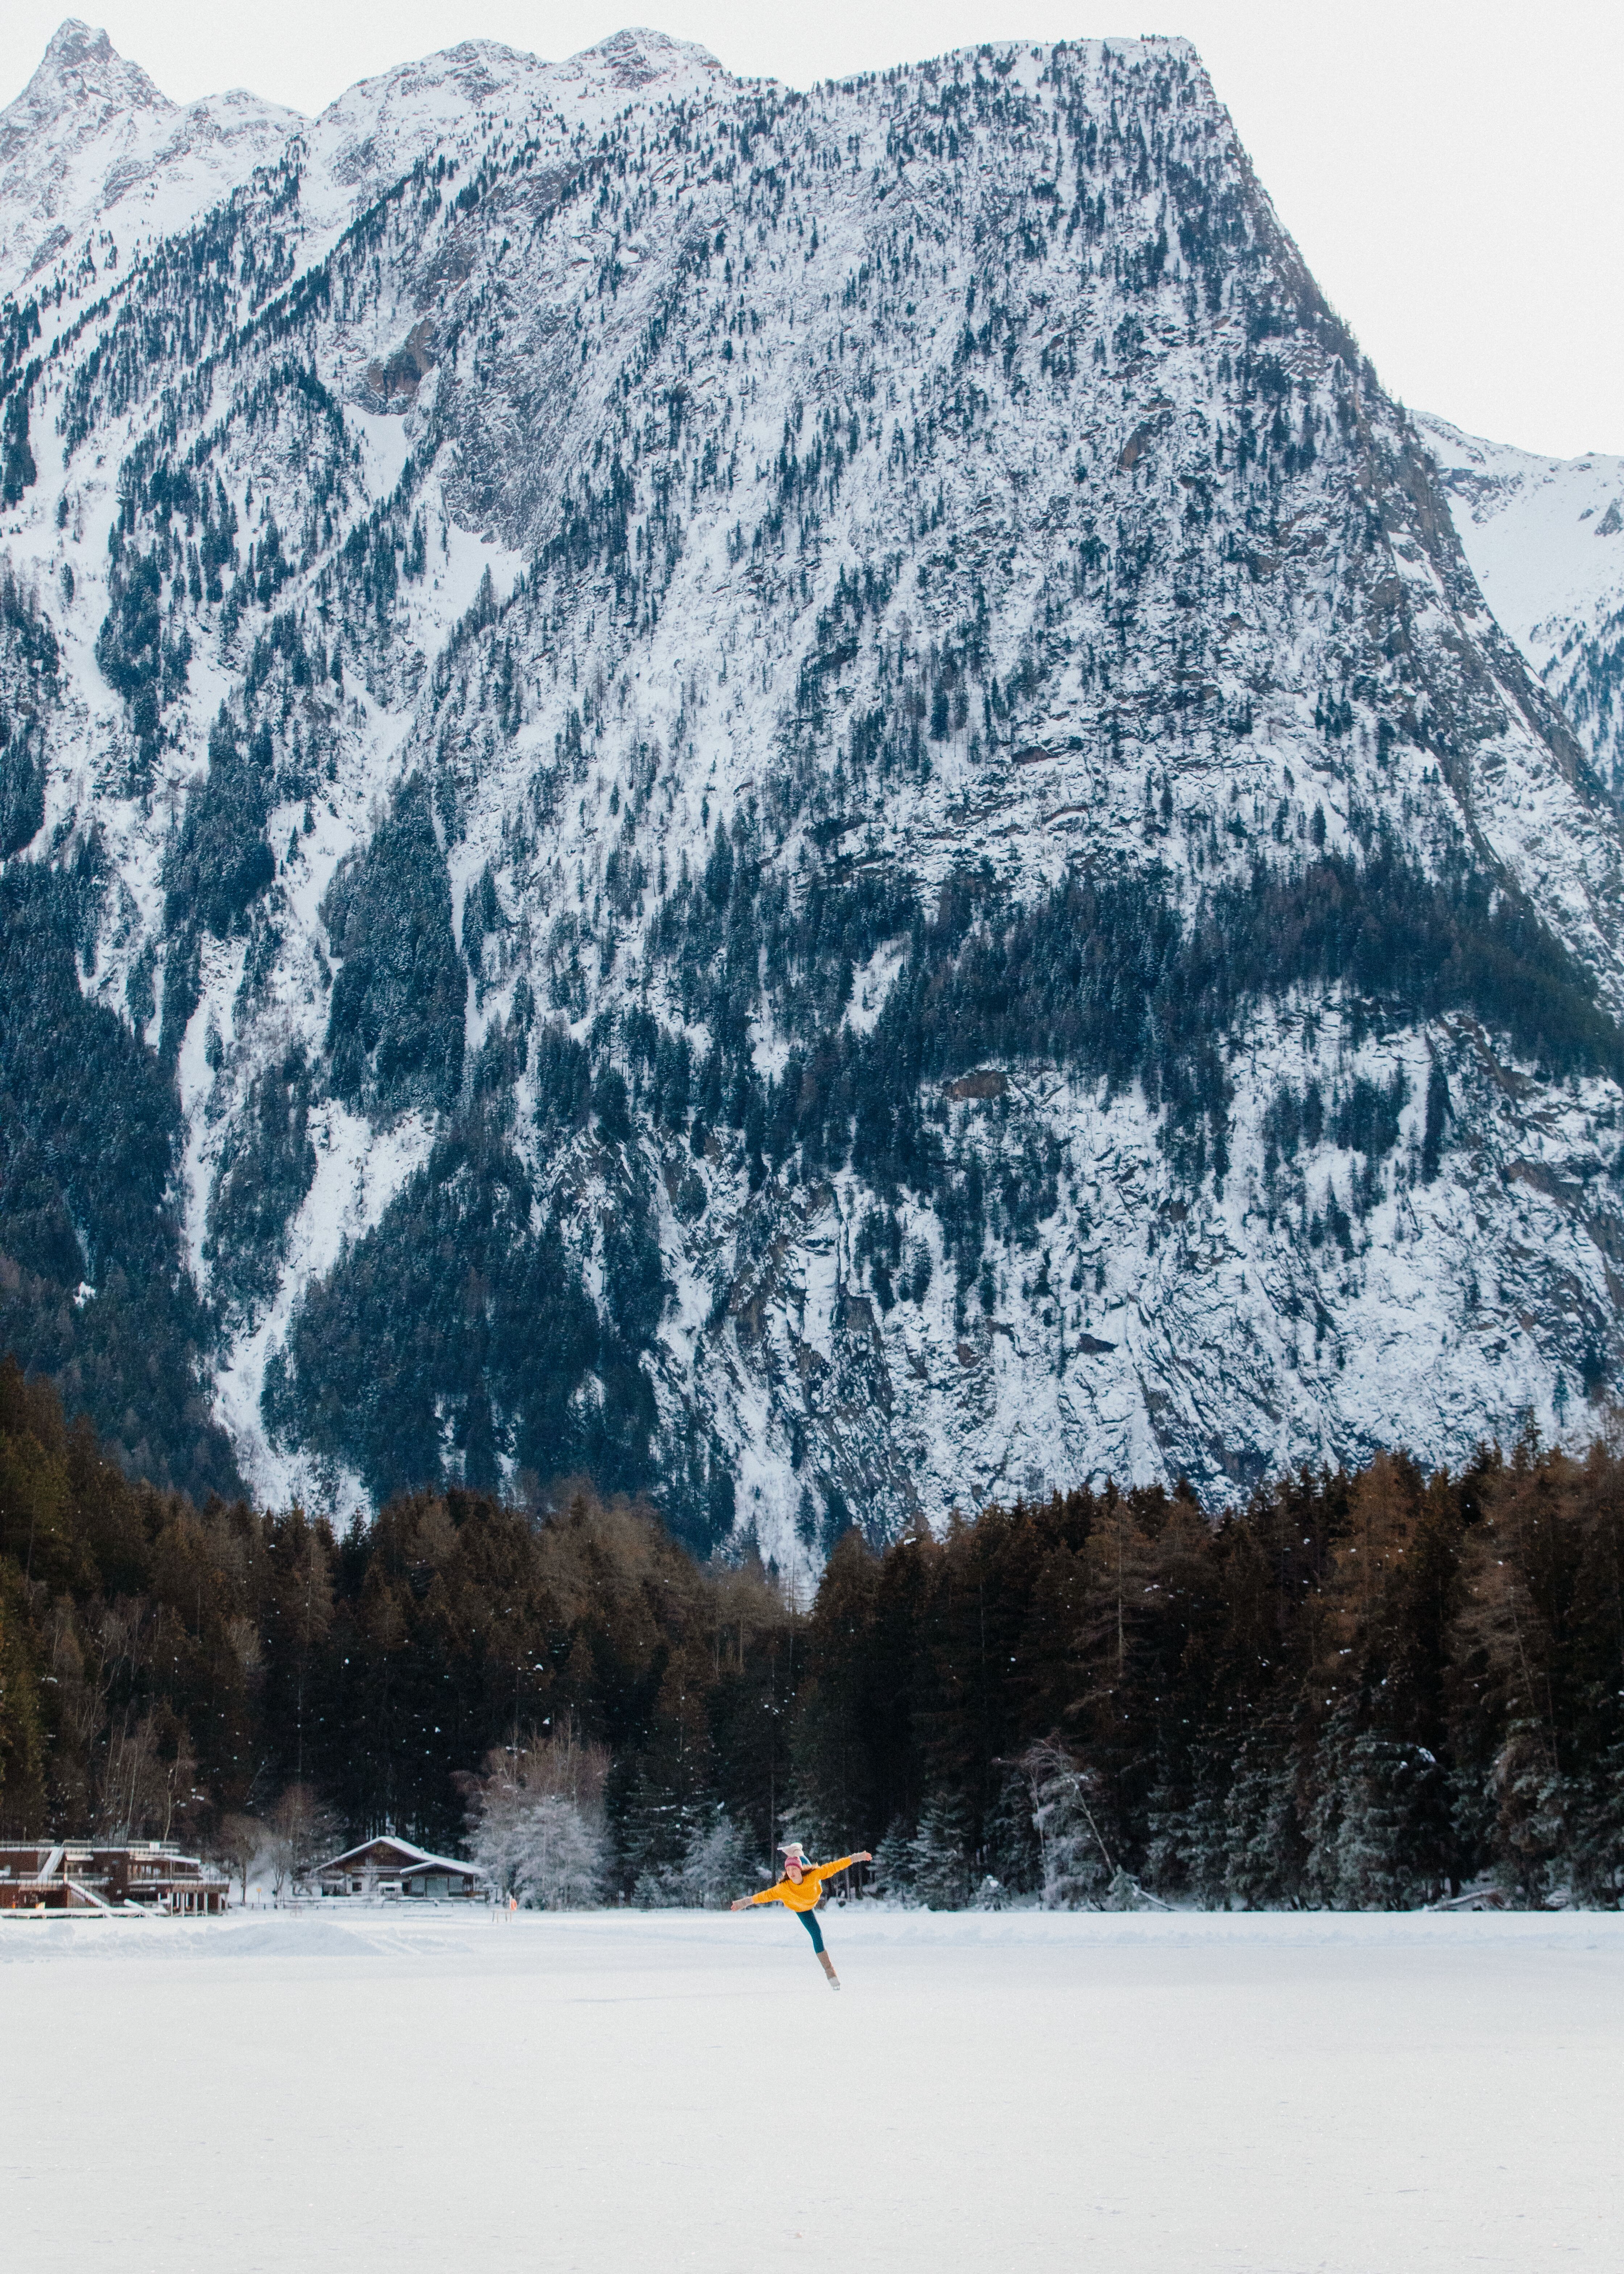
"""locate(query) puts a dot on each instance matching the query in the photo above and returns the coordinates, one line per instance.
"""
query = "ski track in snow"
(1135, 2094)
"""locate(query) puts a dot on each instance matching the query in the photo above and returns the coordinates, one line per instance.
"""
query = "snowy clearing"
(1272, 2092)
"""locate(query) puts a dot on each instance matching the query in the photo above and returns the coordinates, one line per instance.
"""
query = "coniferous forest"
(1369, 1689)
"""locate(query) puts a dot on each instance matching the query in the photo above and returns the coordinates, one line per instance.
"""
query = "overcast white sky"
(1452, 172)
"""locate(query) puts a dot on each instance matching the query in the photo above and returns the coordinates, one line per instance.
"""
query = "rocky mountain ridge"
(802, 798)
(1539, 535)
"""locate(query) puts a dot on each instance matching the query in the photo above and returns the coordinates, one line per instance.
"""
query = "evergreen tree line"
(1367, 1690)
(1372, 1688)
(1108, 978)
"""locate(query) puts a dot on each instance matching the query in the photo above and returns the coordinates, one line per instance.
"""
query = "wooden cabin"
(95, 1876)
(388, 1870)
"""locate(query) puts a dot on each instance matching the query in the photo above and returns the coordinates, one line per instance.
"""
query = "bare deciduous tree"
(538, 1814)
(301, 1825)
(237, 1843)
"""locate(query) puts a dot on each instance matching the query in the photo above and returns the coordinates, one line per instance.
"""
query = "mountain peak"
(90, 135)
(637, 56)
(81, 71)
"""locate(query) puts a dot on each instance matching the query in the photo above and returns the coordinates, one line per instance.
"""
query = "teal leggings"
(809, 1919)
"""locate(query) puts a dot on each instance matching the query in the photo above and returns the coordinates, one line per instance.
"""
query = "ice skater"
(801, 1890)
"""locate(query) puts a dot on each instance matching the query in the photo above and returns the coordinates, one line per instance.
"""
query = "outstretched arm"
(844, 1864)
(768, 1895)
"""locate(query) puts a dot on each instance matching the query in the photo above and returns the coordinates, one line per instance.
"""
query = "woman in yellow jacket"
(800, 1891)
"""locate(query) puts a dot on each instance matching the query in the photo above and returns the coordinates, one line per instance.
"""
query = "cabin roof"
(408, 1857)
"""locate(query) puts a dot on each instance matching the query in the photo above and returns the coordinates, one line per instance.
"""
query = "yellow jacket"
(804, 1897)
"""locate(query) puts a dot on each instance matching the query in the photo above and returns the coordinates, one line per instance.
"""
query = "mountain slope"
(806, 801)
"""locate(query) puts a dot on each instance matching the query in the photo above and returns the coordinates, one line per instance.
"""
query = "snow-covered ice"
(1128, 2094)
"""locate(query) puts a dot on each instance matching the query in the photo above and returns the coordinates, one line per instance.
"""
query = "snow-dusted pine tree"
(1077, 1869)
(716, 1863)
(893, 1865)
(1531, 1793)
(1185, 1852)
(1263, 1844)
(1598, 1818)
(939, 1853)
(545, 1851)
(1010, 1839)
(1373, 1830)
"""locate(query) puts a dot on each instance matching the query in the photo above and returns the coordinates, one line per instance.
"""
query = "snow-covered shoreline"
(449, 1933)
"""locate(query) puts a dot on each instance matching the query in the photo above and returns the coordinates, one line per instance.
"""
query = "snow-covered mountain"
(96, 166)
(800, 797)
(1546, 541)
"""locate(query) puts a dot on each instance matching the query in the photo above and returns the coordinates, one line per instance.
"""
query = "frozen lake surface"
(1139, 2095)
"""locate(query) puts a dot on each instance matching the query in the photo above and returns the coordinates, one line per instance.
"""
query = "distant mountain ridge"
(1546, 541)
(93, 154)
(800, 798)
